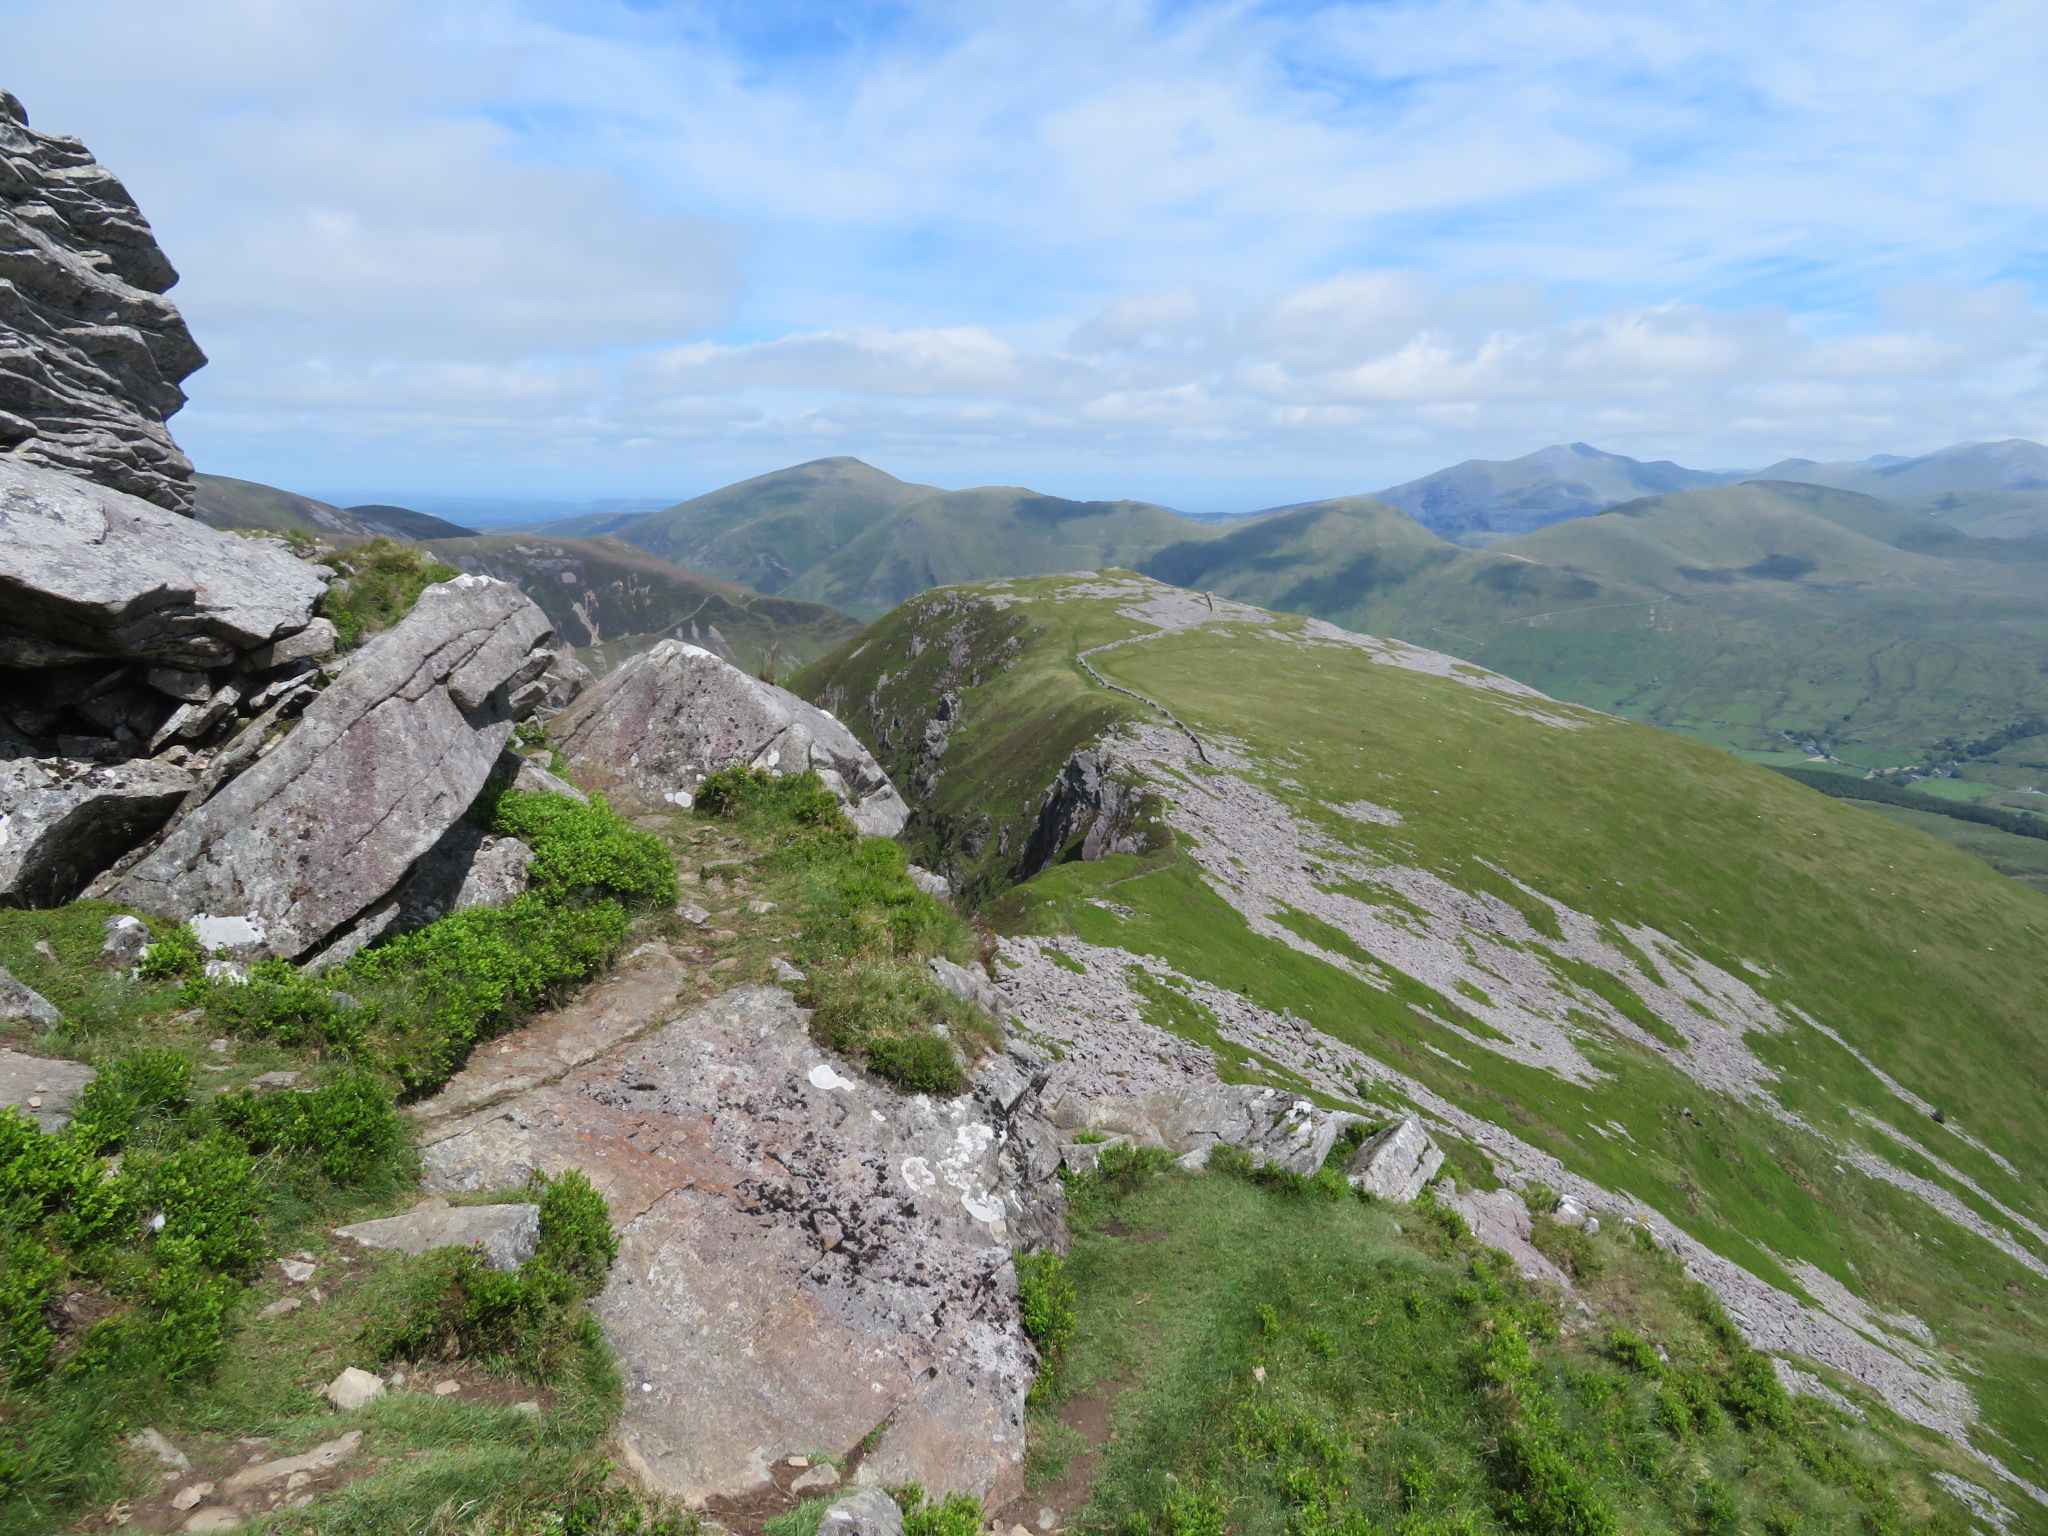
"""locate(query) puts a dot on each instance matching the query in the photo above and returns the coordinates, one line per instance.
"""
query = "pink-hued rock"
(650, 733)
(381, 766)
(806, 1255)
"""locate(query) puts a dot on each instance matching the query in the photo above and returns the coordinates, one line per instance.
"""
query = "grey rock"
(1395, 1163)
(20, 1004)
(1271, 1126)
(506, 1234)
(1088, 801)
(931, 884)
(804, 1253)
(784, 971)
(63, 821)
(564, 680)
(317, 639)
(53, 1085)
(969, 986)
(319, 1459)
(90, 567)
(91, 353)
(870, 1512)
(467, 868)
(127, 941)
(180, 683)
(652, 731)
(1499, 1219)
(529, 778)
(155, 1442)
(823, 1475)
(382, 764)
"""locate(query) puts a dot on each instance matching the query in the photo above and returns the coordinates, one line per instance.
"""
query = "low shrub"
(531, 1322)
(897, 1020)
(585, 852)
(380, 581)
(957, 1514)
(348, 1128)
(1045, 1293)
(576, 1237)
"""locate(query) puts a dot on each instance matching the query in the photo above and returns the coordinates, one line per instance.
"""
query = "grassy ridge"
(1915, 955)
(1296, 1361)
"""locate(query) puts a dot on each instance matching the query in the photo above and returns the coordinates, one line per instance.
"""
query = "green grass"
(1293, 1361)
(175, 1184)
(378, 584)
(867, 932)
(1918, 956)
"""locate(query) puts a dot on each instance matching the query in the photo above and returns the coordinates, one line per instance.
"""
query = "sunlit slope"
(766, 532)
(959, 536)
(1738, 613)
(1593, 953)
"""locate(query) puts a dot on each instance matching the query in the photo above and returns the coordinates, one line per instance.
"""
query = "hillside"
(1482, 499)
(611, 600)
(232, 504)
(2012, 464)
(1692, 993)
(768, 531)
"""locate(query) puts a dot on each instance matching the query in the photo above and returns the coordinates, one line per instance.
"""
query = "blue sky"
(1216, 255)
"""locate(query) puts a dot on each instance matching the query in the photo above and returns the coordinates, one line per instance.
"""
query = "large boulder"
(62, 822)
(91, 353)
(651, 732)
(381, 766)
(808, 1259)
(1395, 1163)
(90, 572)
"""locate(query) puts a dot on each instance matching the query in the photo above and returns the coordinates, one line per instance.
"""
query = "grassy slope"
(229, 503)
(1226, 1312)
(1920, 957)
(768, 531)
(994, 530)
(1735, 613)
(622, 598)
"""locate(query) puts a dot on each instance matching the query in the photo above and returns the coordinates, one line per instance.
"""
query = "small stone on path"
(280, 1307)
(190, 1494)
(218, 1518)
(447, 1388)
(153, 1441)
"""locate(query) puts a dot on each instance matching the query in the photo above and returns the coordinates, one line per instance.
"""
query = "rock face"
(41, 1086)
(110, 575)
(1396, 1163)
(507, 1235)
(1273, 1127)
(62, 822)
(381, 766)
(1088, 802)
(806, 1256)
(91, 353)
(650, 733)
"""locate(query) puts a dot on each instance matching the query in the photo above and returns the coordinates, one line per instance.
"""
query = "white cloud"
(1247, 246)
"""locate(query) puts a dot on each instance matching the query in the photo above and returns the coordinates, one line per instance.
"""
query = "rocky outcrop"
(62, 822)
(1272, 1126)
(807, 1258)
(91, 573)
(383, 763)
(1087, 801)
(651, 732)
(22, 1004)
(1396, 1163)
(91, 353)
(468, 867)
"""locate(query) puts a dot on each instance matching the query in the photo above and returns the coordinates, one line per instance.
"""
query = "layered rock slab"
(86, 571)
(62, 821)
(380, 767)
(806, 1257)
(91, 353)
(651, 732)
